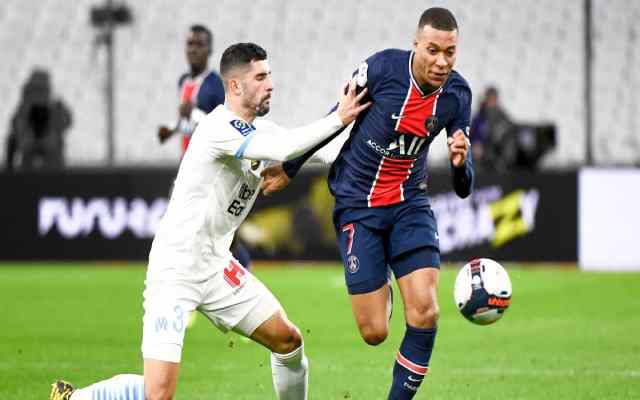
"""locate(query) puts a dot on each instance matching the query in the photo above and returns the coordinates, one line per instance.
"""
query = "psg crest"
(353, 264)
(430, 124)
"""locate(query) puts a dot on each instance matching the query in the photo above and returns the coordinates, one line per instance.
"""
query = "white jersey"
(212, 195)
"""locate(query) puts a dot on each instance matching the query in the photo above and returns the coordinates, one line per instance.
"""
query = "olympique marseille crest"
(353, 264)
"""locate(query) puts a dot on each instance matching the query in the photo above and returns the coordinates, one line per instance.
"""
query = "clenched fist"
(458, 145)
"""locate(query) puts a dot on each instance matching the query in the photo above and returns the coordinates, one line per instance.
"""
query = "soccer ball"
(482, 291)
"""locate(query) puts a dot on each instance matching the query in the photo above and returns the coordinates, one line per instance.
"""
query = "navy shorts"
(377, 241)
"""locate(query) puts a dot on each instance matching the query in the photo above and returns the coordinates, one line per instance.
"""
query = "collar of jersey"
(201, 75)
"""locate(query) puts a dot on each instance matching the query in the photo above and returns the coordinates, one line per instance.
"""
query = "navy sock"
(412, 362)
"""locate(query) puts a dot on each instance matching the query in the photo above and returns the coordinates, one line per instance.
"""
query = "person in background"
(490, 128)
(38, 126)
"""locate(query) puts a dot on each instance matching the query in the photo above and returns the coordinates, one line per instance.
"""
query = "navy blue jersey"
(205, 91)
(384, 160)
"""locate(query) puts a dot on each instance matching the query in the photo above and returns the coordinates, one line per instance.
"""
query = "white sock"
(290, 374)
(120, 387)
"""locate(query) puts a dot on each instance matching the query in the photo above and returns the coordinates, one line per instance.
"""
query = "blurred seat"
(533, 51)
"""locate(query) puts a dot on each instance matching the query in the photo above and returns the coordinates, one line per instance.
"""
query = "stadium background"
(534, 52)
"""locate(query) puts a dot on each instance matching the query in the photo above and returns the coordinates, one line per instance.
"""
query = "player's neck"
(247, 114)
(428, 89)
(425, 87)
(197, 70)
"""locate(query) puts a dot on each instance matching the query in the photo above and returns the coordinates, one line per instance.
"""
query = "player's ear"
(235, 86)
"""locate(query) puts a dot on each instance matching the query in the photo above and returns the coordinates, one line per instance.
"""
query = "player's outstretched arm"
(278, 176)
(281, 146)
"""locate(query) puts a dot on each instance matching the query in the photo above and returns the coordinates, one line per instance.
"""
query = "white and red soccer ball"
(482, 291)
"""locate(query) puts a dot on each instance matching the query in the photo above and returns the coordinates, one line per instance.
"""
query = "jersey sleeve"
(374, 69)
(368, 74)
(275, 143)
(462, 117)
(223, 136)
(292, 167)
(211, 93)
(462, 177)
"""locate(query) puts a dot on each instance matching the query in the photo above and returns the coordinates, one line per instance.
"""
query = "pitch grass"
(568, 335)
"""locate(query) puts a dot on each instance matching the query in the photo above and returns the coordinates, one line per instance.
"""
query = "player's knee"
(289, 340)
(373, 335)
(424, 315)
(158, 392)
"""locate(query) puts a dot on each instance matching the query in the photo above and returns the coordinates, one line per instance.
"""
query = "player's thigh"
(167, 304)
(160, 379)
(413, 241)
(367, 275)
(278, 334)
(236, 300)
(364, 257)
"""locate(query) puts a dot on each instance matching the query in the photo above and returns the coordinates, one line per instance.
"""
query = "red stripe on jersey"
(185, 143)
(188, 90)
(415, 111)
(387, 187)
(411, 366)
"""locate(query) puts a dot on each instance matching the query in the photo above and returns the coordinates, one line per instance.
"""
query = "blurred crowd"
(37, 130)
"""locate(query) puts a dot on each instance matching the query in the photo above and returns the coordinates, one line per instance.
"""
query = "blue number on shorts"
(178, 324)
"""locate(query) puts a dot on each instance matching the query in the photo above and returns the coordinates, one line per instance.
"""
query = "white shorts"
(232, 299)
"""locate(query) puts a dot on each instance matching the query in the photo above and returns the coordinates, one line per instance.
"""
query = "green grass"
(568, 335)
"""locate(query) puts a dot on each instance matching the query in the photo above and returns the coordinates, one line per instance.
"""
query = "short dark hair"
(198, 28)
(240, 54)
(438, 18)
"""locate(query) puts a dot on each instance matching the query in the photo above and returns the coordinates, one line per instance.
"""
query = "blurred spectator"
(38, 126)
(490, 131)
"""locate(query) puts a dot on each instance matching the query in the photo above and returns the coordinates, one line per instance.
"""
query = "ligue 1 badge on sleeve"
(241, 126)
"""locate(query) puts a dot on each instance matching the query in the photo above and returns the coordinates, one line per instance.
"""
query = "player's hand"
(275, 179)
(349, 106)
(164, 133)
(185, 109)
(458, 145)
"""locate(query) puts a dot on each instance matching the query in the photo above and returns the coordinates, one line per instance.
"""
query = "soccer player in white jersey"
(190, 265)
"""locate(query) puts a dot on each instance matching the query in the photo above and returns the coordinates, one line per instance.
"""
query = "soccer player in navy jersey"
(200, 91)
(382, 215)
